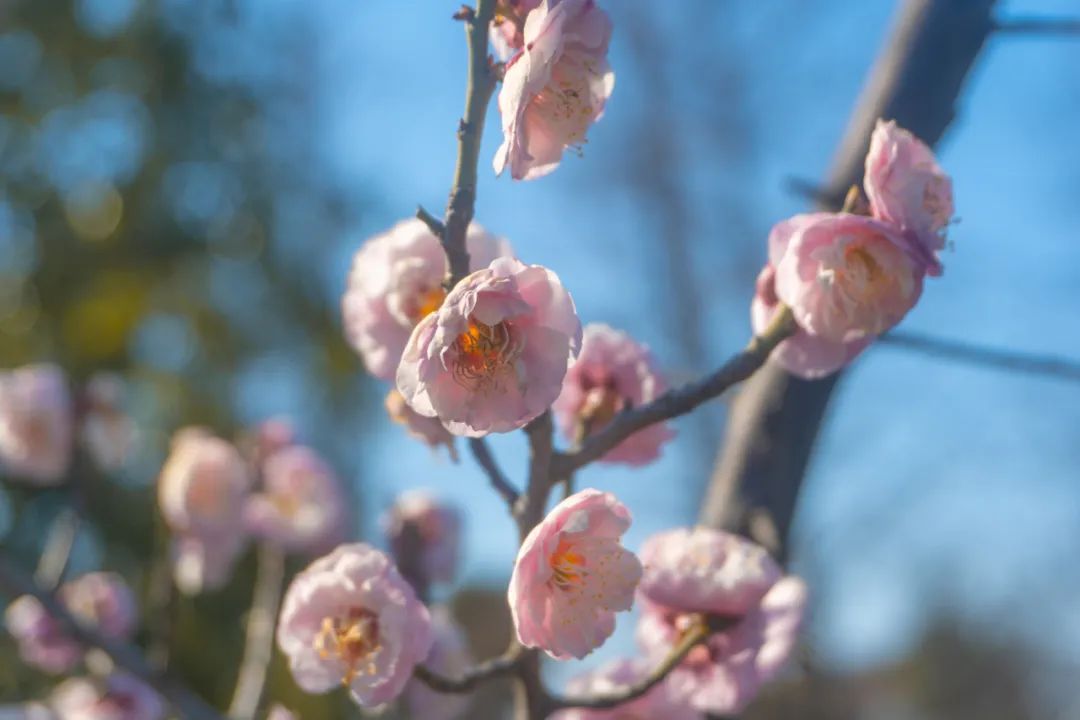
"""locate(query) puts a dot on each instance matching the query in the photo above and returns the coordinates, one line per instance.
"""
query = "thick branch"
(496, 667)
(259, 643)
(775, 419)
(481, 84)
(482, 454)
(680, 401)
(15, 582)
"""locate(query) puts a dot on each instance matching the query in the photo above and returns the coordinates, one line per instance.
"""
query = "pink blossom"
(659, 702)
(571, 576)
(35, 423)
(908, 188)
(302, 506)
(427, 430)
(119, 697)
(202, 492)
(847, 279)
(508, 28)
(396, 280)
(493, 357)
(107, 431)
(280, 712)
(689, 572)
(450, 657)
(350, 618)
(612, 373)
(555, 87)
(100, 600)
(276, 433)
(418, 516)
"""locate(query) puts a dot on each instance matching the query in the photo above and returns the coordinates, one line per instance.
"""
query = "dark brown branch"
(496, 667)
(680, 401)
(259, 641)
(1064, 27)
(14, 582)
(774, 421)
(482, 454)
(1048, 366)
(481, 84)
(433, 223)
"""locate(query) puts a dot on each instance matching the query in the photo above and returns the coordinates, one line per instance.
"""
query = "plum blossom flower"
(571, 576)
(118, 697)
(555, 87)
(493, 357)
(202, 492)
(36, 426)
(612, 373)
(659, 702)
(508, 27)
(351, 618)
(280, 712)
(107, 430)
(427, 430)
(450, 657)
(908, 188)
(302, 504)
(396, 280)
(418, 516)
(847, 279)
(689, 572)
(101, 600)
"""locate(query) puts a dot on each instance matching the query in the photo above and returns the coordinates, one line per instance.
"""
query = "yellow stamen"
(352, 639)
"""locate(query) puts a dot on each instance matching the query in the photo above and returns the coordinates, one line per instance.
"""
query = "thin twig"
(680, 401)
(530, 506)
(481, 84)
(14, 582)
(1050, 366)
(259, 641)
(56, 556)
(482, 454)
(433, 223)
(503, 665)
(1038, 26)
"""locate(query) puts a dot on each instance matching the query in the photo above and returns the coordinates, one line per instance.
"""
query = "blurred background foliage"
(182, 183)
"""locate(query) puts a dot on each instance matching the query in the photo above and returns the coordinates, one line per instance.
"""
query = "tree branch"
(14, 582)
(1064, 27)
(259, 642)
(1016, 361)
(680, 401)
(482, 454)
(503, 665)
(481, 84)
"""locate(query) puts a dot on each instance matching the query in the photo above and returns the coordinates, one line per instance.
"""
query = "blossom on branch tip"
(435, 527)
(615, 677)
(493, 357)
(571, 576)
(700, 571)
(427, 430)
(907, 187)
(117, 697)
(396, 280)
(508, 27)
(555, 87)
(301, 506)
(449, 657)
(847, 279)
(108, 432)
(612, 373)
(350, 618)
(36, 425)
(99, 600)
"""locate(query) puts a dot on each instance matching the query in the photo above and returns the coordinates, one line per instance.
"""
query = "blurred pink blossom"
(202, 492)
(427, 430)
(612, 373)
(302, 505)
(279, 712)
(689, 572)
(493, 357)
(555, 87)
(437, 527)
(659, 702)
(35, 423)
(908, 188)
(107, 430)
(571, 576)
(847, 279)
(396, 280)
(118, 697)
(101, 600)
(350, 618)
(450, 657)
(508, 28)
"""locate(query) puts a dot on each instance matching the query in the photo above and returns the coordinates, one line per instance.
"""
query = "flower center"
(602, 403)
(483, 350)
(426, 302)
(567, 567)
(353, 639)
(934, 201)
(565, 103)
